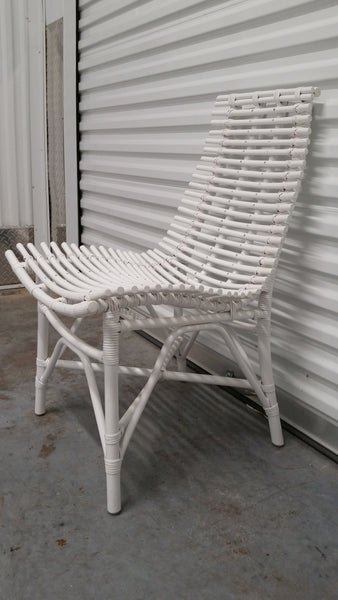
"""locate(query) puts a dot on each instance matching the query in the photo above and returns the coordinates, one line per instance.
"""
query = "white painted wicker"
(218, 257)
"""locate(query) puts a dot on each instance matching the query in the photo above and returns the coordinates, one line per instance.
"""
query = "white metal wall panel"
(149, 73)
(15, 156)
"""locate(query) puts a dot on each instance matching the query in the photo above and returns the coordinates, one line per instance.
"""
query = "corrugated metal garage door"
(149, 73)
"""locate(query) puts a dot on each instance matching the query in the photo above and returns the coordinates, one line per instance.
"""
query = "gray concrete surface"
(211, 510)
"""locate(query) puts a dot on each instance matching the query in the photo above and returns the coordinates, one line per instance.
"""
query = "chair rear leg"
(42, 354)
(181, 358)
(181, 362)
(267, 380)
(111, 333)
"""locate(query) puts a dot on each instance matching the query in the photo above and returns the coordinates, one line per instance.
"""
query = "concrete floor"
(211, 510)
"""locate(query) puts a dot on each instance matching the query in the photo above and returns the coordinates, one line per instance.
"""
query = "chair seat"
(78, 275)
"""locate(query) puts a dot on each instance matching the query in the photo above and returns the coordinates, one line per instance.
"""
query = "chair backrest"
(232, 221)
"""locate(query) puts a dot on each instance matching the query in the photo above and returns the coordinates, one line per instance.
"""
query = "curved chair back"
(232, 221)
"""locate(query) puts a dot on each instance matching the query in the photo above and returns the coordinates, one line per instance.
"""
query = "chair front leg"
(111, 333)
(42, 354)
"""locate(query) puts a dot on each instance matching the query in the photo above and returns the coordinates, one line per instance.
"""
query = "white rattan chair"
(218, 260)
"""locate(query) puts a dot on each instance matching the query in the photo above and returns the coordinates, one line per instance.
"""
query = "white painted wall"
(16, 201)
(23, 148)
(23, 176)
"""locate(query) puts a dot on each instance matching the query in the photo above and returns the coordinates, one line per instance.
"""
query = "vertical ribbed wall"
(15, 158)
(149, 74)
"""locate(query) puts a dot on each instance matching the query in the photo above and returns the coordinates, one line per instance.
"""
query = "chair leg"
(42, 354)
(267, 380)
(111, 332)
(181, 361)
